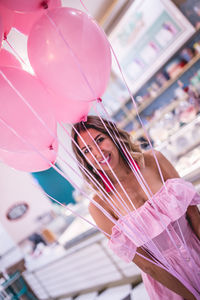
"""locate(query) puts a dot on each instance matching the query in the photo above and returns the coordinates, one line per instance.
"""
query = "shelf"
(182, 131)
(144, 105)
(175, 54)
(164, 111)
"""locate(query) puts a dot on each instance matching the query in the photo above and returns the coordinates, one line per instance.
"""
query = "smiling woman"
(95, 135)
(143, 209)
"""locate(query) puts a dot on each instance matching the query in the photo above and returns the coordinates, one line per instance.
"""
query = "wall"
(15, 187)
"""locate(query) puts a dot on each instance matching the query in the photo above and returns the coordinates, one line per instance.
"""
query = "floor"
(123, 292)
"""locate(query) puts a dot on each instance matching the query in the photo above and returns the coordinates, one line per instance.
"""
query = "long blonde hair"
(119, 136)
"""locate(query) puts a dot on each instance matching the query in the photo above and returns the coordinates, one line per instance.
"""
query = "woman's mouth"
(106, 160)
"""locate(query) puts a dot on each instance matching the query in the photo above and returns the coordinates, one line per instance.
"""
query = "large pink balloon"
(24, 21)
(30, 161)
(54, 62)
(24, 5)
(7, 16)
(68, 111)
(18, 116)
(8, 59)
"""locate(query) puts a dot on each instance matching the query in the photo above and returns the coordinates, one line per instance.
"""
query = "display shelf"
(196, 33)
(183, 131)
(144, 105)
(165, 110)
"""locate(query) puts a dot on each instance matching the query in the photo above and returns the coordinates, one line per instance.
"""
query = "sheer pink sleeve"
(121, 245)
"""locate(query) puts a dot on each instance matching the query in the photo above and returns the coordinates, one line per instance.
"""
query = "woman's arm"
(161, 275)
(168, 172)
(193, 217)
(154, 271)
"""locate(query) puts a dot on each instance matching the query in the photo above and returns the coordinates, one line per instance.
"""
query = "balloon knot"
(51, 147)
(83, 119)
(5, 36)
(99, 100)
(44, 4)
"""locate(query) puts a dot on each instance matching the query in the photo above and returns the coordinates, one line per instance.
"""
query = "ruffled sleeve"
(137, 228)
(121, 245)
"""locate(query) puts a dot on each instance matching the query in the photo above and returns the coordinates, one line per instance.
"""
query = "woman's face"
(94, 139)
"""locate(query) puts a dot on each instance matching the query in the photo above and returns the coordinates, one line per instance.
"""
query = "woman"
(135, 233)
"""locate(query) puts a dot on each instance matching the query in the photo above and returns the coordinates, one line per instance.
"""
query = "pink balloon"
(1, 32)
(8, 59)
(54, 62)
(18, 116)
(24, 21)
(69, 111)
(24, 5)
(30, 161)
(7, 16)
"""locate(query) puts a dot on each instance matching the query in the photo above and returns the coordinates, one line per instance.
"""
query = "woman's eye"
(100, 140)
(86, 151)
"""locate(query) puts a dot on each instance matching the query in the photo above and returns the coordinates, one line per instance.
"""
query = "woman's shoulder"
(149, 157)
(97, 205)
(93, 204)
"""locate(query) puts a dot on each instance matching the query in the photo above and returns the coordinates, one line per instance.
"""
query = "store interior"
(47, 250)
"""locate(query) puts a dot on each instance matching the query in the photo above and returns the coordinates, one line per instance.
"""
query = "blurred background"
(46, 251)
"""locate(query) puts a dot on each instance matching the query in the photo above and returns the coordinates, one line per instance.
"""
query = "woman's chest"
(132, 194)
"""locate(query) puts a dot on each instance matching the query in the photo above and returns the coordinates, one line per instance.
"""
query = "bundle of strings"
(104, 194)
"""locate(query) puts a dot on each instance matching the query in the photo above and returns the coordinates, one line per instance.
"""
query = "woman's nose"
(96, 152)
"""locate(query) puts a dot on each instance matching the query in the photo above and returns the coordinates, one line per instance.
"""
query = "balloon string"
(20, 95)
(138, 174)
(125, 220)
(105, 233)
(126, 152)
(149, 197)
(66, 177)
(160, 172)
(80, 150)
(76, 214)
(57, 169)
(128, 196)
(75, 185)
(29, 106)
(164, 227)
(70, 50)
(97, 185)
(152, 201)
(90, 176)
(113, 173)
(15, 52)
(158, 166)
(139, 225)
(85, 7)
(135, 105)
(114, 188)
(98, 228)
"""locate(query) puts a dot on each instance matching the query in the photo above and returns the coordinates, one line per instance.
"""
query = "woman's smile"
(106, 160)
(99, 149)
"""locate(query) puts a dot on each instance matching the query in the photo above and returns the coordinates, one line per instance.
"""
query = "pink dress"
(143, 227)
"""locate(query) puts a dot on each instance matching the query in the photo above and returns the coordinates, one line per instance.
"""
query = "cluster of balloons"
(71, 59)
